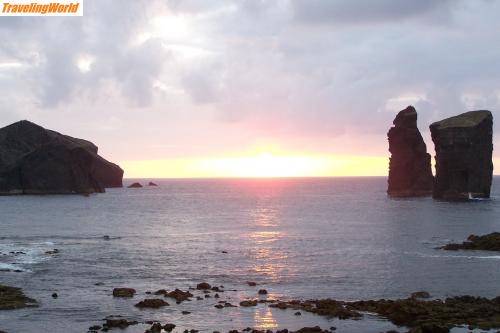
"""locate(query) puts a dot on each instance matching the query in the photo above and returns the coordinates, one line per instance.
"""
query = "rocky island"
(35, 160)
(489, 242)
(464, 147)
(410, 172)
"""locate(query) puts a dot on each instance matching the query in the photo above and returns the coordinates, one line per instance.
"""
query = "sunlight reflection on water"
(264, 318)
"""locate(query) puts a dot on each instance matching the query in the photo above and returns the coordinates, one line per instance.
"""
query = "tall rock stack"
(410, 172)
(464, 148)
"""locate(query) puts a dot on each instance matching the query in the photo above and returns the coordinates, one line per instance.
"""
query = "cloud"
(364, 11)
(212, 77)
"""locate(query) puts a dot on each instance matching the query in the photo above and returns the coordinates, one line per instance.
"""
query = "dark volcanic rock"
(135, 185)
(13, 298)
(489, 242)
(152, 184)
(124, 292)
(153, 303)
(34, 160)
(464, 147)
(410, 172)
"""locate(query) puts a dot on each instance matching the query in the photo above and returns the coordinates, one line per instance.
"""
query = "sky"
(215, 88)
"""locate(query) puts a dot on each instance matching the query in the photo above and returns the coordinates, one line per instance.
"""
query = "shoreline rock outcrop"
(13, 298)
(410, 172)
(489, 242)
(35, 160)
(464, 147)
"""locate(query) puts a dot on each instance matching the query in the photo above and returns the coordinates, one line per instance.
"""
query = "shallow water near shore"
(297, 238)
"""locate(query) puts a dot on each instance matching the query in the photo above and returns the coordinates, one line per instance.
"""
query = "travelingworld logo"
(41, 8)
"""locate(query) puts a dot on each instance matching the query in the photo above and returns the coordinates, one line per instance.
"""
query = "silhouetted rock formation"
(464, 146)
(135, 185)
(34, 160)
(410, 172)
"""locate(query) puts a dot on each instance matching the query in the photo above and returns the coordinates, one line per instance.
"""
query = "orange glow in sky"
(258, 165)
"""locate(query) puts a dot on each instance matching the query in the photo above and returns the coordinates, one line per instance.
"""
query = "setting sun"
(259, 165)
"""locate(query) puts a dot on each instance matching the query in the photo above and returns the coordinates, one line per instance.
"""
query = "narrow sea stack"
(410, 172)
(35, 160)
(464, 147)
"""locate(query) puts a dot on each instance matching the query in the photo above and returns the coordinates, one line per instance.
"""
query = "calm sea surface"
(297, 238)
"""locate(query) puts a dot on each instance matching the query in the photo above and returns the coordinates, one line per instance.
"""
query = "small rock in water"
(298, 313)
(152, 184)
(203, 286)
(54, 295)
(185, 312)
(124, 292)
(54, 251)
(262, 292)
(248, 303)
(153, 303)
(135, 185)
(168, 327)
(106, 237)
(251, 283)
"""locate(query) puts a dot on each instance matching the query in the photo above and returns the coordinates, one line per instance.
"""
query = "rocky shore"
(489, 242)
(418, 313)
(13, 298)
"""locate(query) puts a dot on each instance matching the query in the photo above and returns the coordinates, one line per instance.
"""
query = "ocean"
(297, 238)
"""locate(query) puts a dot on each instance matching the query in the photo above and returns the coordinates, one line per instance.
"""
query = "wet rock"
(35, 160)
(199, 298)
(219, 306)
(155, 328)
(315, 329)
(118, 323)
(54, 295)
(203, 286)
(52, 252)
(298, 313)
(95, 328)
(248, 303)
(262, 292)
(251, 283)
(421, 294)
(179, 295)
(106, 237)
(489, 242)
(216, 289)
(410, 172)
(168, 327)
(216, 296)
(99, 284)
(124, 292)
(436, 315)
(464, 146)
(152, 184)
(135, 185)
(13, 298)
(185, 312)
(153, 303)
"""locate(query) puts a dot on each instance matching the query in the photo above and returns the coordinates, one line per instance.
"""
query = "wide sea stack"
(464, 147)
(35, 160)
(410, 172)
